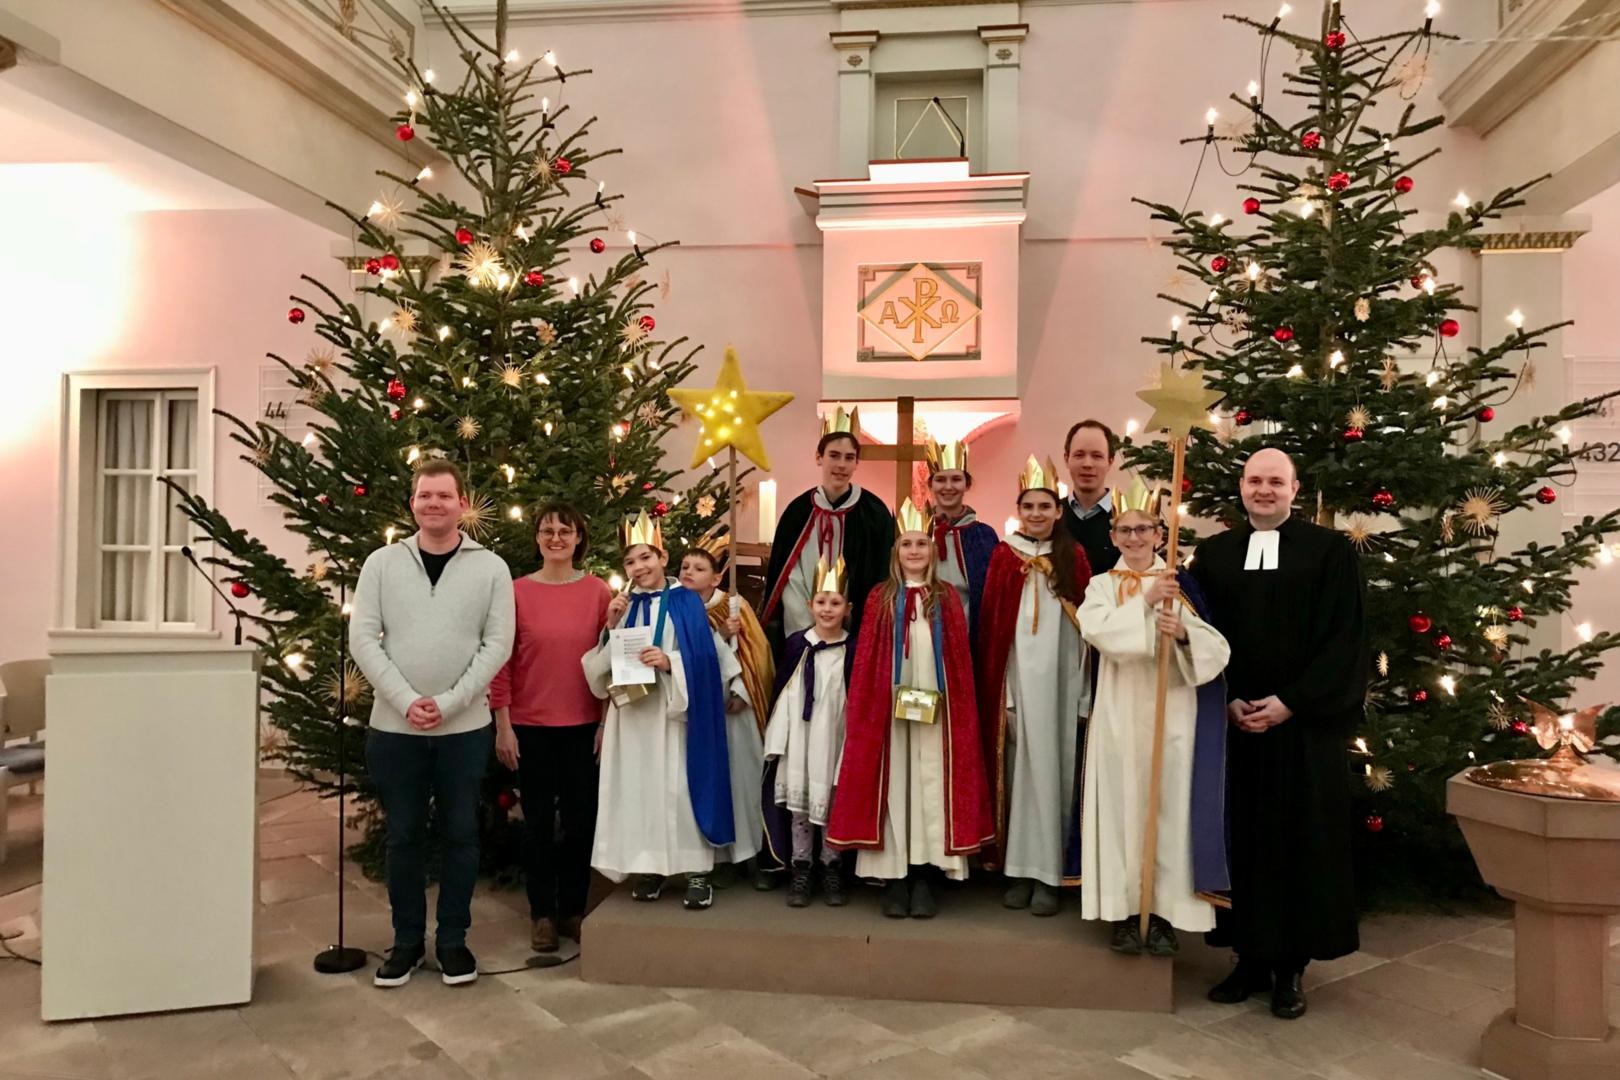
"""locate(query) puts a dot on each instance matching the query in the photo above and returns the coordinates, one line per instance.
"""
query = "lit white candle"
(767, 511)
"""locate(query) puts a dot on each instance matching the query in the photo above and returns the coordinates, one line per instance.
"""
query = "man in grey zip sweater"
(432, 624)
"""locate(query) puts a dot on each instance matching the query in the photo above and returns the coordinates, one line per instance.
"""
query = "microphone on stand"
(961, 139)
(236, 612)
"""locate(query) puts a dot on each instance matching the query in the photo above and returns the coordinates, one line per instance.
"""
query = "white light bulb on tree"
(374, 209)
(1296, 372)
(425, 174)
(512, 57)
(295, 660)
(573, 283)
(1211, 116)
(413, 455)
(444, 333)
(1132, 427)
(630, 235)
(1584, 630)
(418, 404)
(1254, 90)
(1516, 317)
(1500, 459)
(1253, 270)
(346, 610)
(1449, 684)
(1431, 9)
(550, 58)
(427, 76)
(515, 513)
(1284, 11)
(1462, 200)
(411, 99)
(510, 472)
(1431, 378)
(309, 439)
(1336, 359)
(1564, 434)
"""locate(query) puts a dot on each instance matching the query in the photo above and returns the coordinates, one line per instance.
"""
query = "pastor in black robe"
(1297, 632)
(857, 526)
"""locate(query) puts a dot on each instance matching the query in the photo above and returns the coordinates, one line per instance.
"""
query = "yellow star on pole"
(1180, 402)
(730, 414)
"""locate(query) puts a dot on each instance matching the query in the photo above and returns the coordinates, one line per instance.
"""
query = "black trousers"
(557, 774)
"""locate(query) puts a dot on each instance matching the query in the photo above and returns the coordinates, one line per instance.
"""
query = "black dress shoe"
(896, 902)
(1161, 939)
(1127, 938)
(924, 904)
(1237, 986)
(1288, 995)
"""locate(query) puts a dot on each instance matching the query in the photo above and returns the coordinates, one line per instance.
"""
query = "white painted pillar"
(1002, 45)
(855, 100)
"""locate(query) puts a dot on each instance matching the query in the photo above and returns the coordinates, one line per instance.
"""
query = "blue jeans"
(408, 771)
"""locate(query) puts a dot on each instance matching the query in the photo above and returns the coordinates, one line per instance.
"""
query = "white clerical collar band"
(1263, 547)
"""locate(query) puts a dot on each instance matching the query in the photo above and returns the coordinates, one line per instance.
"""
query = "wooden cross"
(905, 452)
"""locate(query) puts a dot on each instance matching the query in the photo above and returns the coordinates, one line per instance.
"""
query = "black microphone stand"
(340, 958)
(961, 137)
(236, 612)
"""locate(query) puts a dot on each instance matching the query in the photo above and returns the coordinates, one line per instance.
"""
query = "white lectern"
(151, 825)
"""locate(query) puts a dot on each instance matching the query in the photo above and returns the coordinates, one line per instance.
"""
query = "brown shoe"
(543, 936)
(573, 926)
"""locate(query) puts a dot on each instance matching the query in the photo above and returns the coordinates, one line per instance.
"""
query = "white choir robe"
(644, 822)
(808, 754)
(915, 832)
(1119, 758)
(1047, 697)
(801, 576)
(745, 754)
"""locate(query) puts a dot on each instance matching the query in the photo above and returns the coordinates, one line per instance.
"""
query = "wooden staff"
(732, 598)
(1150, 835)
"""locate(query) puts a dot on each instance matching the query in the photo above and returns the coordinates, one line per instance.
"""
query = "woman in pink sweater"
(548, 724)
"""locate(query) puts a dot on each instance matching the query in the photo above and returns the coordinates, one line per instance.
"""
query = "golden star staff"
(730, 414)
(1180, 403)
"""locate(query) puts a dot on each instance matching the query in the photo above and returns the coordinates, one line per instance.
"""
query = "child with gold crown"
(1124, 619)
(1033, 695)
(664, 800)
(910, 795)
(805, 739)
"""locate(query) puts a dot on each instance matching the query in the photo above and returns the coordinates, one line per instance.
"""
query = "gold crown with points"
(833, 579)
(911, 519)
(847, 422)
(1038, 477)
(1138, 497)
(717, 542)
(946, 456)
(641, 529)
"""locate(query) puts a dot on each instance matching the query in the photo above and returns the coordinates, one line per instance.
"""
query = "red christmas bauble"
(464, 236)
(373, 267)
(1284, 334)
(239, 590)
(598, 245)
(1338, 181)
(390, 261)
(396, 390)
(1420, 695)
(295, 315)
(506, 800)
(360, 491)
(1334, 39)
(1311, 140)
(1449, 327)
(563, 166)
(1515, 613)
(1520, 726)
(324, 500)
(1546, 496)
(1353, 434)
(1243, 418)
(1403, 184)
(648, 486)
(1251, 205)
(1419, 623)
(1219, 264)
(647, 323)
(1443, 642)
(405, 133)
(1417, 280)
(1487, 414)
(660, 508)
(1383, 499)
(1375, 822)
(1186, 485)
(534, 279)
(393, 414)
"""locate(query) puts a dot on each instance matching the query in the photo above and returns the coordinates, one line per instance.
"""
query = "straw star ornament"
(1180, 402)
(730, 414)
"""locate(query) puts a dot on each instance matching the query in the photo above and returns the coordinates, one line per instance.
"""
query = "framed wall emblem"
(918, 311)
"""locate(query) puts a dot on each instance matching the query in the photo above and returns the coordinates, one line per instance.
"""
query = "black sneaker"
(1161, 939)
(1127, 937)
(798, 894)
(924, 904)
(766, 880)
(699, 892)
(457, 965)
(396, 970)
(896, 902)
(832, 885)
(647, 888)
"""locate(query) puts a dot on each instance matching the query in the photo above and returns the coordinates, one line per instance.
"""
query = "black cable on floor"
(13, 954)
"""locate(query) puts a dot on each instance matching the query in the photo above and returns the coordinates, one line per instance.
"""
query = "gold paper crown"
(716, 542)
(912, 519)
(839, 420)
(1138, 497)
(946, 456)
(1038, 477)
(641, 529)
(831, 579)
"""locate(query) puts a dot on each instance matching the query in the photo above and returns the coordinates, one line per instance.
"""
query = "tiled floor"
(1411, 1006)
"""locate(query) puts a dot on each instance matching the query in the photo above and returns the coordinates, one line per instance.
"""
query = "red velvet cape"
(1004, 586)
(861, 796)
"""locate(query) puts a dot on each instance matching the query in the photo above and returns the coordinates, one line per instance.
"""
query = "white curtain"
(138, 540)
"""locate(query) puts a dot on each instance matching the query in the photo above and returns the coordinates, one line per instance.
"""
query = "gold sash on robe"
(753, 653)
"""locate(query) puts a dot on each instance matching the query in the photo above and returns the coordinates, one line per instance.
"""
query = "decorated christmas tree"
(510, 343)
(1324, 318)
